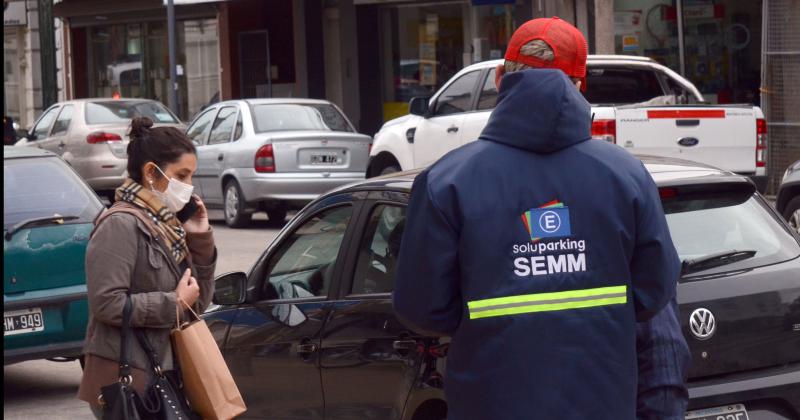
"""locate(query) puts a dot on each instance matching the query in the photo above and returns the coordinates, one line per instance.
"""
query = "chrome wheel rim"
(231, 202)
(794, 220)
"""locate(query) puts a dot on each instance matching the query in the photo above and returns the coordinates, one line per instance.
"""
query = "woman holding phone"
(154, 244)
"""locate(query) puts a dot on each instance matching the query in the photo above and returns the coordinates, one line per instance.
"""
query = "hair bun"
(140, 126)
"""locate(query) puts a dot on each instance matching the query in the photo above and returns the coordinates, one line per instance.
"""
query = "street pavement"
(42, 389)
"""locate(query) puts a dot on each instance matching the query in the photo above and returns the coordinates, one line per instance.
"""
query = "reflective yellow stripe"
(553, 301)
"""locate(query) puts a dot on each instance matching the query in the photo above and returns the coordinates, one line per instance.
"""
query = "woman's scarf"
(164, 219)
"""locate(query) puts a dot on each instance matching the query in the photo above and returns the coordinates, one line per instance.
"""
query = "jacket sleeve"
(204, 258)
(427, 295)
(655, 266)
(663, 359)
(110, 260)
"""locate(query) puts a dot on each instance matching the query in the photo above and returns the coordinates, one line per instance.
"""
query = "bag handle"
(150, 351)
(178, 312)
(125, 376)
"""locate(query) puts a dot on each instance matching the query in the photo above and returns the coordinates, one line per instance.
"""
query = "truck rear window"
(709, 223)
(620, 86)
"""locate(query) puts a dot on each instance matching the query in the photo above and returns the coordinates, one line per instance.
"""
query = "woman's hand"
(188, 289)
(199, 221)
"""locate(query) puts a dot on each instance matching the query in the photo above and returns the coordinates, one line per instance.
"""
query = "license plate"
(24, 321)
(325, 159)
(731, 412)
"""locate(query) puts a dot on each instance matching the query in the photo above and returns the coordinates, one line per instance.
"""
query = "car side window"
(237, 132)
(61, 125)
(304, 263)
(378, 251)
(488, 97)
(199, 129)
(43, 126)
(458, 96)
(223, 126)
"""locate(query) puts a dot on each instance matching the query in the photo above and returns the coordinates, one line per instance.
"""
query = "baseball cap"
(567, 42)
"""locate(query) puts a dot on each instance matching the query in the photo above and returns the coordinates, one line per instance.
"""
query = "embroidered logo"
(548, 221)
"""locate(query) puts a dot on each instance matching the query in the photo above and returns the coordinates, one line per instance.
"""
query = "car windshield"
(44, 187)
(293, 117)
(618, 86)
(121, 112)
(705, 224)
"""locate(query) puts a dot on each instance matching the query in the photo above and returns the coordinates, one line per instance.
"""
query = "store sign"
(14, 13)
(627, 22)
(698, 11)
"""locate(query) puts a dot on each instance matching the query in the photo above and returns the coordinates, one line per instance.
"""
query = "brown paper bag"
(207, 382)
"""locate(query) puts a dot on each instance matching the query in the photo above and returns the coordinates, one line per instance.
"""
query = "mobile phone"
(188, 210)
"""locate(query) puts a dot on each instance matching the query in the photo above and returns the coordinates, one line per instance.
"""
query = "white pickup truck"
(637, 104)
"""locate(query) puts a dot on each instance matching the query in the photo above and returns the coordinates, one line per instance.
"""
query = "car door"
(212, 155)
(273, 343)
(439, 133)
(39, 136)
(474, 122)
(198, 134)
(369, 360)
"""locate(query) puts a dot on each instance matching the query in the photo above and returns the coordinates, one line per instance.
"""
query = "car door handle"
(62, 144)
(404, 345)
(306, 349)
(452, 129)
(220, 157)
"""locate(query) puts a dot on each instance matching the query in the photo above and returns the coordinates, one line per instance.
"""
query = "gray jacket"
(125, 253)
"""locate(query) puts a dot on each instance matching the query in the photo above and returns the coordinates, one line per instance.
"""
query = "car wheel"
(235, 214)
(792, 213)
(276, 216)
(390, 170)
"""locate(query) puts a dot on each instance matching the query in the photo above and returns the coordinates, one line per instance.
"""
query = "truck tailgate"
(724, 137)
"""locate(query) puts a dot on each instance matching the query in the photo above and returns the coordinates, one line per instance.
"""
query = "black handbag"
(119, 400)
(164, 398)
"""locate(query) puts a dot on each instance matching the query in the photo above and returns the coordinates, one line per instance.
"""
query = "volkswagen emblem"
(702, 323)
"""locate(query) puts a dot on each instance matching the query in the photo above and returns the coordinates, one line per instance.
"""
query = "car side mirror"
(419, 106)
(230, 288)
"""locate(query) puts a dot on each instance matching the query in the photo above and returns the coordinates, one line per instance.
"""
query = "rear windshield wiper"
(47, 220)
(715, 260)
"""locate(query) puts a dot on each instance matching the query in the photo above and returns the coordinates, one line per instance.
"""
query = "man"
(538, 250)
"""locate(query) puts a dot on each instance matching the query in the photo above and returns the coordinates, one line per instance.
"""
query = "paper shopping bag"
(207, 382)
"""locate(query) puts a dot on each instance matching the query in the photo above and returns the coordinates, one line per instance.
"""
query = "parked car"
(273, 155)
(637, 104)
(788, 201)
(314, 315)
(92, 136)
(48, 212)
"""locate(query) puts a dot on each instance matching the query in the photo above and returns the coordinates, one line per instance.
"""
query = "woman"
(140, 247)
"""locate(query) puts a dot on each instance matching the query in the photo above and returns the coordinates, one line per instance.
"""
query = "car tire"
(234, 207)
(276, 216)
(792, 213)
(389, 169)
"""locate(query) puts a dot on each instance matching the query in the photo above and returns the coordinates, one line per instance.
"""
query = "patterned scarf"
(165, 220)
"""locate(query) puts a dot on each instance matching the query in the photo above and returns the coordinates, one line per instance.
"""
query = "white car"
(636, 103)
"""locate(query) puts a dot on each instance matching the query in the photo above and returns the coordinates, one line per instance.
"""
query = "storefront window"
(132, 61)
(722, 41)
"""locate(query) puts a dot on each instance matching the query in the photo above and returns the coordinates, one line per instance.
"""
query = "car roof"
(266, 101)
(589, 60)
(665, 172)
(13, 152)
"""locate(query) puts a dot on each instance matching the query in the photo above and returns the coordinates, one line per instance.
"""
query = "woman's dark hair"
(160, 145)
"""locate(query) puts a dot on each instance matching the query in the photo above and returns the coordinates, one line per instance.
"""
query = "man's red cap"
(567, 42)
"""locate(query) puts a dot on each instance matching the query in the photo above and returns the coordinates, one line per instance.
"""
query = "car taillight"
(265, 159)
(761, 143)
(102, 137)
(667, 193)
(605, 130)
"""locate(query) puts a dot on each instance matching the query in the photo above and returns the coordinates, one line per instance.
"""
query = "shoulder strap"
(149, 350)
(125, 341)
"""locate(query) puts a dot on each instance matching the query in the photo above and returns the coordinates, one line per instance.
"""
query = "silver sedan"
(92, 136)
(273, 155)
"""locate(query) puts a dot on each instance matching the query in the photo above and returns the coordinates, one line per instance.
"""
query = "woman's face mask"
(176, 195)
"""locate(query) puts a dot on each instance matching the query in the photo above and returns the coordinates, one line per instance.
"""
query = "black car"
(310, 332)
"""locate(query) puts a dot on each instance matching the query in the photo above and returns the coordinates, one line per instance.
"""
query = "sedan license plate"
(731, 412)
(325, 159)
(23, 321)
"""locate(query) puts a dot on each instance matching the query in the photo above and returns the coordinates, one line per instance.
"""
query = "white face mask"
(176, 195)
